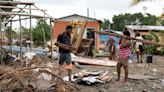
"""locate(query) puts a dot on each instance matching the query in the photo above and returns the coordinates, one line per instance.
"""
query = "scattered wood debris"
(32, 79)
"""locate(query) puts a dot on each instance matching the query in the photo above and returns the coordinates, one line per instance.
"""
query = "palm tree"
(161, 17)
(135, 2)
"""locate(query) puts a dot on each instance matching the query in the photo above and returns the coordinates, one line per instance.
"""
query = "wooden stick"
(132, 38)
(16, 2)
(51, 40)
(12, 7)
(21, 14)
(30, 30)
(1, 38)
(20, 29)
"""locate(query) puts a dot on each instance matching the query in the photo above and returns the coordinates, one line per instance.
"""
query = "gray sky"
(98, 8)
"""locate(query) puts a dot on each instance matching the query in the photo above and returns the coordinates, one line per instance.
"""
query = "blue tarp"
(39, 51)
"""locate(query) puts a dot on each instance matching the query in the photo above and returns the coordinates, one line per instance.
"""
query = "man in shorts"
(65, 56)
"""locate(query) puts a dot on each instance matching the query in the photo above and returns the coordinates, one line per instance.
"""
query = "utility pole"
(87, 12)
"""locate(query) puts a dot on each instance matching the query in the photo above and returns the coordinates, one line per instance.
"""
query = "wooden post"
(30, 31)
(51, 40)
(10, 36)
(20, 29)
(1, 38)
(44, 38)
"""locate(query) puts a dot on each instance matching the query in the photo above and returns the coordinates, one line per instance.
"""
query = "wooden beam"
(51, 40)
(14, 16)
(18, 19)
(21, 14)
(64, 46)
(30, 30)
(12, 7)
(20, 29)
(43, 12)
(77, 44)
(17, 2)
(132, 38)
(1, 38)
(10, 36)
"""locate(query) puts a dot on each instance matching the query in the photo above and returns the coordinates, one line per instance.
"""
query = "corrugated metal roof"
(145, 27)
(76, 15)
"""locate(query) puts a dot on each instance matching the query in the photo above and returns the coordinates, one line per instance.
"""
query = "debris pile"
(90, 77)
(36, 78)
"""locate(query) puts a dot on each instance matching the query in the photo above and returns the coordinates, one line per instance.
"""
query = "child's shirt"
(125, 48)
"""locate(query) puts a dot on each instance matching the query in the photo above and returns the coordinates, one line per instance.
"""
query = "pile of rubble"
(90, 77)
(36, 78)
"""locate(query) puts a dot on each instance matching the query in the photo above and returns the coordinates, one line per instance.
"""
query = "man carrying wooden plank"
(64, 50)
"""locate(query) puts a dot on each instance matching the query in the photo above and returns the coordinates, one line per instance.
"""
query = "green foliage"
(38, 32)
(119, 21)
(151, 49)
(105, 24)
(25, 32)
(10, 33)
(162, 22)
(150, 20)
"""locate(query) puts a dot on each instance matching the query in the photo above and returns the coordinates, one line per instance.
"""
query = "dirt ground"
(143, 77)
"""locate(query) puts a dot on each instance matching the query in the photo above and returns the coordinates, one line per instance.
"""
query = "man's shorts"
(65, 57)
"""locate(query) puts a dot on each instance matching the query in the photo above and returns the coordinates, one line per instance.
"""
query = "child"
(124, 53)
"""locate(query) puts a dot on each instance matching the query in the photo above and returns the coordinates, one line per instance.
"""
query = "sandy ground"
(143, 77)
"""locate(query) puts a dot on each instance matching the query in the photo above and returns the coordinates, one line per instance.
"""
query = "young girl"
(124, 53)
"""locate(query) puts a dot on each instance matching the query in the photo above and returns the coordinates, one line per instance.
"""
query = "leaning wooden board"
(97, 62)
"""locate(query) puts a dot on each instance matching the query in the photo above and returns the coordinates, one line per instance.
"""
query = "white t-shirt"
(139, 43)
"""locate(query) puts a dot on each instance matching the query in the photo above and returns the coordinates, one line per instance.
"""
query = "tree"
(38, 32)
(150, 20)
(162, 22)
(119, 21)
(105, 24)
(10, 33)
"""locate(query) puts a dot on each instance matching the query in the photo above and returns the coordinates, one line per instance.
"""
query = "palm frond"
(135, 2)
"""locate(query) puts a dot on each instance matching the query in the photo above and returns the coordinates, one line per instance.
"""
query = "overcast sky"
(98, 8)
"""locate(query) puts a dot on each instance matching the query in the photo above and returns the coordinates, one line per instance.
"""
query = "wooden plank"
(1, 38)
(96, 62)
(12, 7)
(16, 2)
(64, 46)
(20, 29)
(77, 44)
(132, 38)
(21, 14)
(51, 40)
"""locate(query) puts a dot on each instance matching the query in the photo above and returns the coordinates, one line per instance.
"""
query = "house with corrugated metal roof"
(144, 30)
